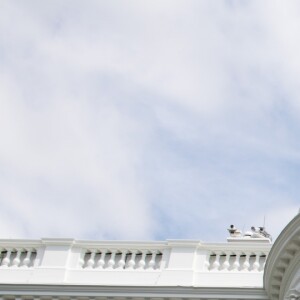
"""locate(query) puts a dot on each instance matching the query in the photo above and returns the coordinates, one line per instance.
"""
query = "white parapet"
(112, 263)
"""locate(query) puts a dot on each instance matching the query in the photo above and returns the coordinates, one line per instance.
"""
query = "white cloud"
(147, 119)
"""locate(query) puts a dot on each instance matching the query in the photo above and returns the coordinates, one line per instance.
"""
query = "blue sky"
(148, 119)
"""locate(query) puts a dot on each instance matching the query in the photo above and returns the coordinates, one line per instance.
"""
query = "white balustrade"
(17, 257)
(235, 261)
(185, 263)
(110, 259)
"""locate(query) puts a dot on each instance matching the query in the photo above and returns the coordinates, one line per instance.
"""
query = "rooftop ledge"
(239, 262)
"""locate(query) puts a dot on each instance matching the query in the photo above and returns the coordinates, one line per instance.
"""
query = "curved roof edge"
(279, 262)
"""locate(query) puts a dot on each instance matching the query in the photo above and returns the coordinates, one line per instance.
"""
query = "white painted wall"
(169, 263)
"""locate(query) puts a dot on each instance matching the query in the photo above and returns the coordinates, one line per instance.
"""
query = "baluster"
(6, 260)
(236, 264)
(101, 261)
(16, 261)
(111, 261)
(256, 264)
(158, 265)
(142, 262)
(90, 263)
(246, 264)
(131, 262)
(33, 258)
(216, 264)
(26, 260)
(206, 265)
(122, 262)
(2, 254)
(151, 263)
(206, 262)
(264, 263)
(81, 259)
(225, 266)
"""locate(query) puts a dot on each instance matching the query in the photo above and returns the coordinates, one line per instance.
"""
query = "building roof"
(242, 268)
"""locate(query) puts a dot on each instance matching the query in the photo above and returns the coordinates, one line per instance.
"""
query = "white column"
(6, 260)
(216, 264)
(111, 261)
(246, 264)
(225, 266)
(256, 264)
(101, 261)
(142, 262)
(26, 261)
(131, 263)
(122, 262)
(151, 264)
(16, 261)
(91, 262)
(236, 264)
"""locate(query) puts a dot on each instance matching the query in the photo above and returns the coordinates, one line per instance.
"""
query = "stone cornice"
(17, 242)
(121, 244)
(165, 292)
(250, 246)
(56, 241)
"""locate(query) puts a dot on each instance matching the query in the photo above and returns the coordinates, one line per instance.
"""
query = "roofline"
(131, 291)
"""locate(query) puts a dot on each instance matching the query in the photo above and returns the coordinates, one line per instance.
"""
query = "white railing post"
(6, 260)
(26, 260)
(121, 262)
(216, 264)
(236, 263)
(16, 261)
(131, 263)
(101, 261)
(181, 263)
(91, 261)
(225, 266)
(111, 262)
(256, 264)
(142, 262)
(246, 264)
(151, 264)
(53, 258)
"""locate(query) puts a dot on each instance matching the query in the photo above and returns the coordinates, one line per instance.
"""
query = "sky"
(148, 120)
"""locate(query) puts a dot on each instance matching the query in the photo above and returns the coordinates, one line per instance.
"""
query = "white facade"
(242, 268)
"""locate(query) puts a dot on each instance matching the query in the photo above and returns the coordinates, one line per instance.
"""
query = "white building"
(242, 268)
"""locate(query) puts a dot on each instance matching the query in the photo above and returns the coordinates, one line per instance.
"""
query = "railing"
(232, 261)
(121, 259)
(17, 257)
(169, 263)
